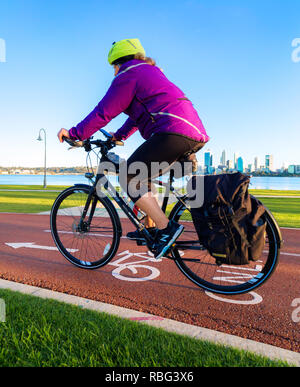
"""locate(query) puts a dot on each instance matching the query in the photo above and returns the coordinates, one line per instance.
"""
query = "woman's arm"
(126, 130)
(117, 99)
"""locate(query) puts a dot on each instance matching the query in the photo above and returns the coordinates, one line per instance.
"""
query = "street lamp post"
(45, 167)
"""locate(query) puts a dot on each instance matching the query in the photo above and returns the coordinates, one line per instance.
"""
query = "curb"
(272, 352)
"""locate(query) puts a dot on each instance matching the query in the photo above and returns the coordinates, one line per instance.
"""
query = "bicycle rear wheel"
(89, 242)
(224, 279)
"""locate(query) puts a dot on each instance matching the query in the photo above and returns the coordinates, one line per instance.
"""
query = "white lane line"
(291, 254)
(32, 245)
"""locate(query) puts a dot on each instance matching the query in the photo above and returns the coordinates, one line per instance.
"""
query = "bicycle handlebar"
(75, 144)
(110, 136)
(109, 143)
(106, 134)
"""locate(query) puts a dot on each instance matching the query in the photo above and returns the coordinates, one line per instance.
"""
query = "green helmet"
(124, 48)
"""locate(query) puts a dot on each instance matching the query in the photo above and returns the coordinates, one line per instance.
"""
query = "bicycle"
(86, 229)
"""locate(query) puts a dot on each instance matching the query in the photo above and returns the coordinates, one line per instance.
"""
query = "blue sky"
(232, 58)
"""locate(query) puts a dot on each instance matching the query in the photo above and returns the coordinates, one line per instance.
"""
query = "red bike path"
(270, 314)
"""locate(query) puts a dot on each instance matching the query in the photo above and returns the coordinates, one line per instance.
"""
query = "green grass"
(33, 187)
(270, 192)
(26, 202)
(285, 210)
(48, 333)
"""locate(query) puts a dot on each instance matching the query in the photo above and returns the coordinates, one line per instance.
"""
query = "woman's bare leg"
(149, 204)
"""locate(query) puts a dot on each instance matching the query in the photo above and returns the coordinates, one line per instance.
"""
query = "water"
(39, 179)
(67, 180)
(276, 183)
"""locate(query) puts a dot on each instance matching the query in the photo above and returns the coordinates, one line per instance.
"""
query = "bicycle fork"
(84, 226)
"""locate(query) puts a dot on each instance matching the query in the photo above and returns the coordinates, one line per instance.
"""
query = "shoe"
(166, 237)
(137, 236)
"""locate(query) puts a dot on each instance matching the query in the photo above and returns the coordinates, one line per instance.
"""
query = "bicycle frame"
(102, 181)
(110, 189)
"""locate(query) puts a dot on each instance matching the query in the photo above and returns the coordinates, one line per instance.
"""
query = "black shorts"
(164, 149)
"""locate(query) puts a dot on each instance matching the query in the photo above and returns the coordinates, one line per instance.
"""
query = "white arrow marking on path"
(32, 245)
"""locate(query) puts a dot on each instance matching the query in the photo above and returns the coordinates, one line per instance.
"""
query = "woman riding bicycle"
(165, 118)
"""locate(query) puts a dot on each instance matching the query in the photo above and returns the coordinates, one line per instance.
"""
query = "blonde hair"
(146, 59)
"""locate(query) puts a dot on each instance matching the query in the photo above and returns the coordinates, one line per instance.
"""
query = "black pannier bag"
(229, 223)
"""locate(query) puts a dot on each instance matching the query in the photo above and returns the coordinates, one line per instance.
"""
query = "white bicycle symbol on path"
(121, 265)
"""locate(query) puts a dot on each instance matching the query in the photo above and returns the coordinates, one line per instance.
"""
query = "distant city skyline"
(239, 163)
(207, 167)
(265, 161)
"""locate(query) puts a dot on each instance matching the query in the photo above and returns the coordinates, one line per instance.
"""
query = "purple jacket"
(152, 102)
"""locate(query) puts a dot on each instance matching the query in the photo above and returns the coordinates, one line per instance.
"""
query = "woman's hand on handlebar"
(63, 133)
(113, 136)
(117, 142)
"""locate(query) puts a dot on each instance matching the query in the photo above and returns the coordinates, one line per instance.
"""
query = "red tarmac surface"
(269, 315)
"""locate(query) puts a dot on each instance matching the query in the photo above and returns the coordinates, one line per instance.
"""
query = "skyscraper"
(256, 163)
(269, 162)
(223, 158)
(208, 162)
(235, 158)
(240, 164)
(229, 164)
(207, 159)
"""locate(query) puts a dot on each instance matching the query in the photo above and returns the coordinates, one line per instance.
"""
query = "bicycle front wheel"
(88, 241)
(225, 279)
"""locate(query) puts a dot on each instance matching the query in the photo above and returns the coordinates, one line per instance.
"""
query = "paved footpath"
(158, 290)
